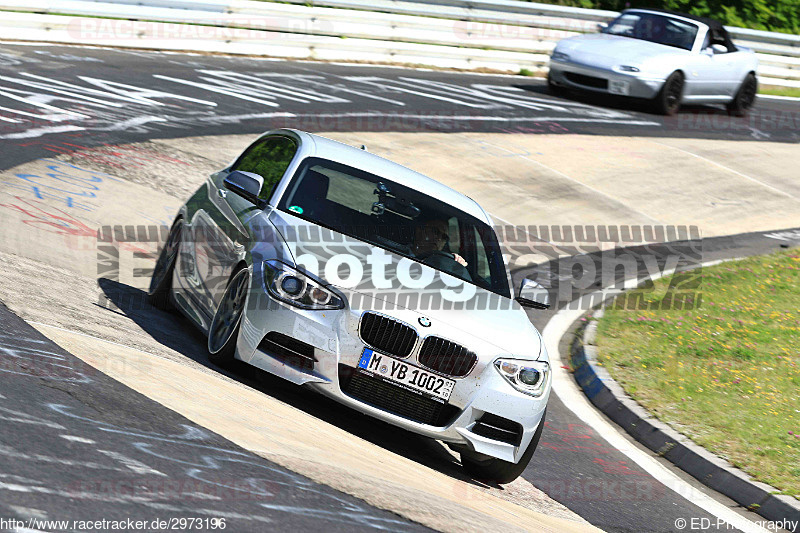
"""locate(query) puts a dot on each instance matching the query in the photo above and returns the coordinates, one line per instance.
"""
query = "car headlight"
(627, 68)
(560, 56)
(293, 287)
(530, 377)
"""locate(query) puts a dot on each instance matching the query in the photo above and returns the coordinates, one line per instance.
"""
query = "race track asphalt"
(61, 434)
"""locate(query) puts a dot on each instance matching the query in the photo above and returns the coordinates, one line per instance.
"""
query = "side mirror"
(602, 26)
(245, 184)
(719, 49)
(533, 295)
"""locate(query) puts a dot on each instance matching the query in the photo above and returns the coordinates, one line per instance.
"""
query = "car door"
(222, 234)
(712, 73)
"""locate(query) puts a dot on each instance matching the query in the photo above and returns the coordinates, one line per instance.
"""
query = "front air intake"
(387, 335)
(498, 428)
(446, 357)
(291, 351)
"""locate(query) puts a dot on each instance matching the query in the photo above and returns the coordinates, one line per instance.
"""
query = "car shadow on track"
(639, 105)
(177, 333)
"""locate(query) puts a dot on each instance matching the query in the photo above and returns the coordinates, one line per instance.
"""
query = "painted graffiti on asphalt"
(32, 105)
(71, 185)
(205, 478)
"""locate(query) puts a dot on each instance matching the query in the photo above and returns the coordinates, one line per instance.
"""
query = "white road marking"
(132, 464)
(38, 132)
(234, 91)
(73, 438)
(468, 118)
(11, 415)
(28, 512)
(728, 169)
(246, 116)
(574, 399)
(132, 123)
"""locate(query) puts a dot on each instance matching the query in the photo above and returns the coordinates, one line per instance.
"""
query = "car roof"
(312, 145)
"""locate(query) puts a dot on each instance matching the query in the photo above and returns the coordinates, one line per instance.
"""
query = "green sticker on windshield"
(296, 209)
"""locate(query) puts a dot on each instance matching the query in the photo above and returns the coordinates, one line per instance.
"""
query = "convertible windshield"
(398, 219)
(655, 28)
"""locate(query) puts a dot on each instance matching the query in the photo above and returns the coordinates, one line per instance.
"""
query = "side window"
(269, 158)
(482, 267)
(349, 191)
(455, 234)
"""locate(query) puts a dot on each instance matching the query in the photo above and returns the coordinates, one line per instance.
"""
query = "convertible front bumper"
(602, 80)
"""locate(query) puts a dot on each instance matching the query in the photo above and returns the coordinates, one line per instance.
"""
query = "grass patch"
(526, 72)
(779, 91)
(726, 374)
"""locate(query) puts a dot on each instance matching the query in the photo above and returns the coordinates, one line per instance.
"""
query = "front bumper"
(601, 80)
(337, 348)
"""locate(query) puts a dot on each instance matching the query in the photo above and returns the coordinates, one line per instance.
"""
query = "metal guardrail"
(470, 34)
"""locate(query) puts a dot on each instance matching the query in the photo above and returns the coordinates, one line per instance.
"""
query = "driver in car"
(431, 245)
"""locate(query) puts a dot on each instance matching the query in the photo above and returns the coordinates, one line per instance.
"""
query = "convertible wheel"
(497, 470)
(552, 88)
(161, 281)
(668, 100)
(745, 96)
(224, 330)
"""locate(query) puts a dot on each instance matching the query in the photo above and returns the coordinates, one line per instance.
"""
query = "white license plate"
(619, 87)
(410, 376)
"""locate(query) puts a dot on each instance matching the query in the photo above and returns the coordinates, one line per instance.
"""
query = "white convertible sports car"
(669, 58)
(370, 283)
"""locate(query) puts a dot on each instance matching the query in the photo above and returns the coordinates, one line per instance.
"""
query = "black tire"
(668, 100)
(497, 470)
(745, 96)
(161, 281)
(224, 330)
(552, 88)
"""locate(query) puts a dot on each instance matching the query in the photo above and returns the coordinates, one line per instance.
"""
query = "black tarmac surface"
(79, 445)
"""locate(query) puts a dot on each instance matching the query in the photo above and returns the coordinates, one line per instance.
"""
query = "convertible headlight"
(628, 68)
(530, 377)
(560, 56)
(289, 285)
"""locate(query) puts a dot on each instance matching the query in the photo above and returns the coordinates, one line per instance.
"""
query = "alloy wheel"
(229, 312)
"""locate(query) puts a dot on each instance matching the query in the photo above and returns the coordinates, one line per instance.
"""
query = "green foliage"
(773, 15)
(269, 159)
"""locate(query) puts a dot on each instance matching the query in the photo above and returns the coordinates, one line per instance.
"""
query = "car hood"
(486, 318)
(607, 51)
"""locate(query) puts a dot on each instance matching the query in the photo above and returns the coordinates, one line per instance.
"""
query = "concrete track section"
(58, 277)
(78, 448)
(151, 353)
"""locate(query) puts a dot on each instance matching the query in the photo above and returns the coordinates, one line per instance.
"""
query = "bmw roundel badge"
(424, 321)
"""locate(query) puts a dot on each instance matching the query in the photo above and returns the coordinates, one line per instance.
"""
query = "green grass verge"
(779, 91)
(726, 374)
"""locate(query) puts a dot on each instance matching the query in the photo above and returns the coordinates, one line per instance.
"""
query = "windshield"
(401, 220)
(655, 28)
